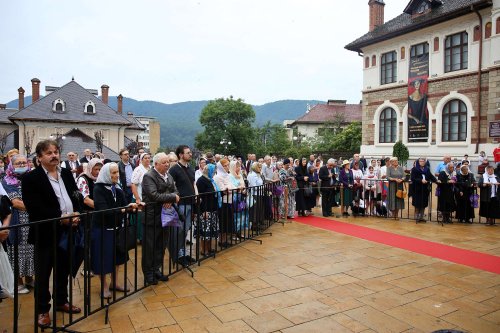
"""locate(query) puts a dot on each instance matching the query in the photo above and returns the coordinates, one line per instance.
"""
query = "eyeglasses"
(20, 163)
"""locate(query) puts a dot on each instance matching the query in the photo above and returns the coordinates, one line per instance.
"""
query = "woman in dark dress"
(210, 200)
(302, 178)
(346, 178)
(446, 200)
(489, 184)
(313, 182)
(108, 195)
(466, 184)
(421, 178)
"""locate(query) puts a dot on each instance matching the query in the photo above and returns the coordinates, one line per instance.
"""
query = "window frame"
(384, 121)
(461, 117)
(385, 65)
(449, 50)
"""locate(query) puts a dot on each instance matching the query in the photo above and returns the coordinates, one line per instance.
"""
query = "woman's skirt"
(103, 246)
(207, 226)
(490, 209)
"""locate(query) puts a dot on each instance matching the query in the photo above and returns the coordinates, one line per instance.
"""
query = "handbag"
(474, 200)
(308, 190)
(239, 203)
(170, 217)
(126, 238)
(293, 186)
(401, 194)
(278, 190)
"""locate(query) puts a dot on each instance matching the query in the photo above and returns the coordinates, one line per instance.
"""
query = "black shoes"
(186, 261)
(151, 281)
(160, 277)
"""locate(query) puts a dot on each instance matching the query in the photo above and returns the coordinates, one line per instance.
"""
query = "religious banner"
(418, 115)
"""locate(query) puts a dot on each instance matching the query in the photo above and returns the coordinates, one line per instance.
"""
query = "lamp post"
(59, 138)
(224, 142)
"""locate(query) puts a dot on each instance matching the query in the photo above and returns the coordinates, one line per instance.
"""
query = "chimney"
(35, 88)
(21, 98)
(104, 93)
(3, 106)
(376, 13)
(120, 103)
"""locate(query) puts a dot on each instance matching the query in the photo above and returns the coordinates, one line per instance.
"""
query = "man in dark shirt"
(126, 169)
(183, 175)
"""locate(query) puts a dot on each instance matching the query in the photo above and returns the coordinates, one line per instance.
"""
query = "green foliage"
(401, 152)
(347, 140)
(227, 119)
(270, 139)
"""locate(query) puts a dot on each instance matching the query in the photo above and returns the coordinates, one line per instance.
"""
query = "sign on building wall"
(494, 129)
(418, 115)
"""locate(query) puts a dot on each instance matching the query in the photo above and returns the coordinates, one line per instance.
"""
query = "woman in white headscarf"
(240, 211)
(108, 195)
(225, 213)
(85, 182)
(489, 184)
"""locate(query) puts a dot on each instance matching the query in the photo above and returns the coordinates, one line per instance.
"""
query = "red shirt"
(496, 154)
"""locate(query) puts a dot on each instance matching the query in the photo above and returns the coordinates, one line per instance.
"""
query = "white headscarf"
(92, 163)
(105, 174)
(487, 178)
(220, 170)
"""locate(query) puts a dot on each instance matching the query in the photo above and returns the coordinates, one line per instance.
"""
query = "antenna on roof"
(73, 78)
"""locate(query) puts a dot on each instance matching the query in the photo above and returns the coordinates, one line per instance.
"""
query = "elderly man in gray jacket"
(158, 190)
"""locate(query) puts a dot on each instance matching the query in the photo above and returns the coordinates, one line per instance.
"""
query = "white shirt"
(62, 194)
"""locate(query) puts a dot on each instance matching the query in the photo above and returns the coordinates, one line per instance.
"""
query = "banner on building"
(418, 115)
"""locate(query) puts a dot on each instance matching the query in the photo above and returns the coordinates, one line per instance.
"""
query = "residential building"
(431, 78)
(72, 115)
(150, 137)
(332, 116)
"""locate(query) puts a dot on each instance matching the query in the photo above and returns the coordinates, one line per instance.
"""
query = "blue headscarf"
(211, 171)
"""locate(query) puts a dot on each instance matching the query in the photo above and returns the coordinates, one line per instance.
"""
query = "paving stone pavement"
(304, 279)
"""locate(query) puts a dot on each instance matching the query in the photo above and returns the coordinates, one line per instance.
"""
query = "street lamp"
(224, 142)
(59, 138)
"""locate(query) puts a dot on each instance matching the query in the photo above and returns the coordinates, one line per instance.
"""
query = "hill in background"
(180, 121)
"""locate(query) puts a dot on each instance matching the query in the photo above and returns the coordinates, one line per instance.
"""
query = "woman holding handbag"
(395, 176)
(105, 257)
(466, 186)
(421, 178)
(446, 200)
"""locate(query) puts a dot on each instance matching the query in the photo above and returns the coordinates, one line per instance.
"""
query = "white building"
(452, 48)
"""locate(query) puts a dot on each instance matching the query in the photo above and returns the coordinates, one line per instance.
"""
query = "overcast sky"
(172, 51)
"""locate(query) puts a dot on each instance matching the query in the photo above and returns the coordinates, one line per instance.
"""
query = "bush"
(401, 152)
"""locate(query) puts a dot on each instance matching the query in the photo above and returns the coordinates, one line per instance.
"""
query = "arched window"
(58, 105)
(403, 54)
(387, 126)
(498, 26)
(487, 30)
(367, 62)
(454, 121)
(477, 33)
(89, 107)
(374, 60)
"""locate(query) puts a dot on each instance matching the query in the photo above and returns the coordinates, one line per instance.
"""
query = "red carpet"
(483, 261)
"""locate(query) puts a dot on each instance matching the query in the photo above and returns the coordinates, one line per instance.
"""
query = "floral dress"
(26, 251)
(284, 181)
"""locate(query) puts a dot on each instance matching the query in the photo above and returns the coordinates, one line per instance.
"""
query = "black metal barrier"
(95, 261)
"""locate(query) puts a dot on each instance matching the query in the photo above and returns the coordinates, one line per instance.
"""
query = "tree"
(226, 120)
(349, 139)
(3, 140)
(401, 152)
(28, 141)
(270, 139)
(99, 137)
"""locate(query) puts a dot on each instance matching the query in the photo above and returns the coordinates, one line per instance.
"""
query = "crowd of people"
(216, 198)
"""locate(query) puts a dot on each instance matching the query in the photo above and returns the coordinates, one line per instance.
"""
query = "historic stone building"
(73, 115)
(431, 78)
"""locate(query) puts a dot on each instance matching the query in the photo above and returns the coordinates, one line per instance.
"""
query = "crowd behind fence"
(220, 220)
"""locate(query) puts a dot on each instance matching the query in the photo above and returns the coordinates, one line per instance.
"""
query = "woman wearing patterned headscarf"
(18, 166)
(107, 195)
(210, 201)
(85, 182)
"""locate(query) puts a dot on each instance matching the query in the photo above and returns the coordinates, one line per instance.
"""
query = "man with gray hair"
(267, 169)
(158, 190)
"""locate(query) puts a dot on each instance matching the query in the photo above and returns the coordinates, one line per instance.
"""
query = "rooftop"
(321, 113)
(406, 22)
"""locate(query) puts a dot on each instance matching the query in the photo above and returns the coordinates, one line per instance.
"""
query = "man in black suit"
(126, 168)
(328, 178)
(49, 193)
(158, 190)
(87, 156)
